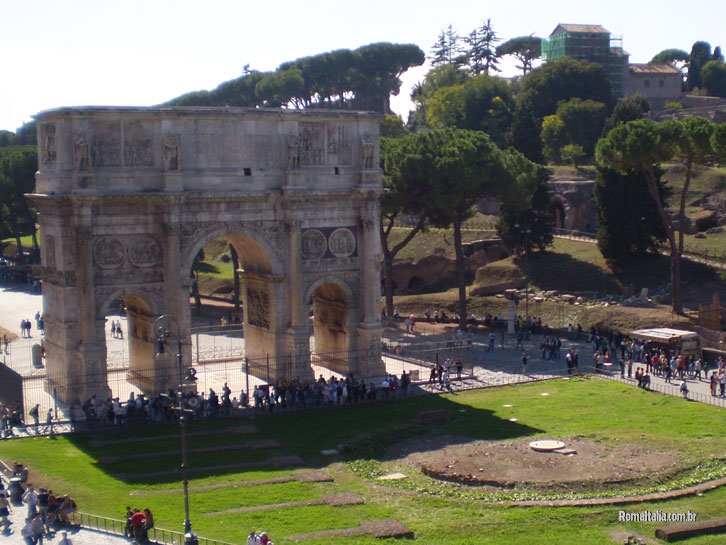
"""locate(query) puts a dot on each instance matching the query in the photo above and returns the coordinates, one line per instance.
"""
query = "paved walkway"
(498, 367)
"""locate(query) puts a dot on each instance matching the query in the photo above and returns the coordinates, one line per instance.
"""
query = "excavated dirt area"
(513, 464)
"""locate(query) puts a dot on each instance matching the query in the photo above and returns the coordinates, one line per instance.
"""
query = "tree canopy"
(481, 55)
(642, 145)
(363, 78)
(482, 103)
(628, 222)
(700, 55)
(526, 49)
(18, 165)
(714, 78)
(544, 88)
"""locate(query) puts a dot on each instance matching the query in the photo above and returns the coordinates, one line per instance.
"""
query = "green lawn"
(437, 512)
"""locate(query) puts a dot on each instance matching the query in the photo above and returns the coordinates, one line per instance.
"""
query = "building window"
(647, 83)
(661, 83)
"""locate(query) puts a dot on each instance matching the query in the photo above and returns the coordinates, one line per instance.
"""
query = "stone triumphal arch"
(128, 196)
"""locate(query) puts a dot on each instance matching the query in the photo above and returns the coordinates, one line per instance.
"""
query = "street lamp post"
(526, 266)
(162, 333)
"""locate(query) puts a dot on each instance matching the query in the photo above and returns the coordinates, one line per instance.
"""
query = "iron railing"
(117, 527)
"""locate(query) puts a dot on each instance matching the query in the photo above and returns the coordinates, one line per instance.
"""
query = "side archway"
(333, 319)
(141, 309)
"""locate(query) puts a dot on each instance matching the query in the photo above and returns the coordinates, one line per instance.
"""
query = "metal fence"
(673, 391)
(240, 373)
(117, 527)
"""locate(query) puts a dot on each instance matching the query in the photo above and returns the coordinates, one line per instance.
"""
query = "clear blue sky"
(133, 52)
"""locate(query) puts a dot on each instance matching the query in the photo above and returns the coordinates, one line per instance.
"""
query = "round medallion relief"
(342, 242)
(313, 244)
(109, 252)
(144, 251)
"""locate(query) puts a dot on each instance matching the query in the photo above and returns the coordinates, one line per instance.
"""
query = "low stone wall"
(434, 270)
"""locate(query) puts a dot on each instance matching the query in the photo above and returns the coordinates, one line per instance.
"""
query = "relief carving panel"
(342, 242)
(81, 152)
(109, 252)
(144, 251)
(339, 149)
(49, 252)
(47, 134)
(106, 146)
(258, 307)
(313, 244)
(312, 145)
(137, 145)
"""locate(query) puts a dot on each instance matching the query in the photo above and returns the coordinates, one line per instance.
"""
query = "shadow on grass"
(560, 271)
(367, 430)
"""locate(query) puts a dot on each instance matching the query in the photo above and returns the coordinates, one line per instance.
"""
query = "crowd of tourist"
(291, 394)
(46, 511)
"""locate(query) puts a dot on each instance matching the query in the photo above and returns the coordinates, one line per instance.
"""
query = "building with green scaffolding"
(591, 43)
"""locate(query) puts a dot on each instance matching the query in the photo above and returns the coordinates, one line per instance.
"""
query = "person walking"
(525, 358)
(30, 498)
(34, 414)
(4, 509)
(37, 528)
(49, 422)
(27, 531)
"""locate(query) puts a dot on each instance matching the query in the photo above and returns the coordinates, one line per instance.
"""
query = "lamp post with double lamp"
(161, 326)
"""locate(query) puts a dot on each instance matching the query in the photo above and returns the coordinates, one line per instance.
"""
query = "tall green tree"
(526, 49)
(675, 57)
(628, 222)
(18, 165)
(554, 138)
(481, 52)
(700, 55)
(525, 221)
(447, 49)
(464, 167)
(584, 121)
(642, 146)
(441, 76)
(482, 103)
(544, 88)
(630, 108)
(377, 72)
(577, 123)
(718, 142)
(714, 78)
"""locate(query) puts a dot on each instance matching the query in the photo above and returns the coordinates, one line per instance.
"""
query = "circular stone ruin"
(541, 463)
